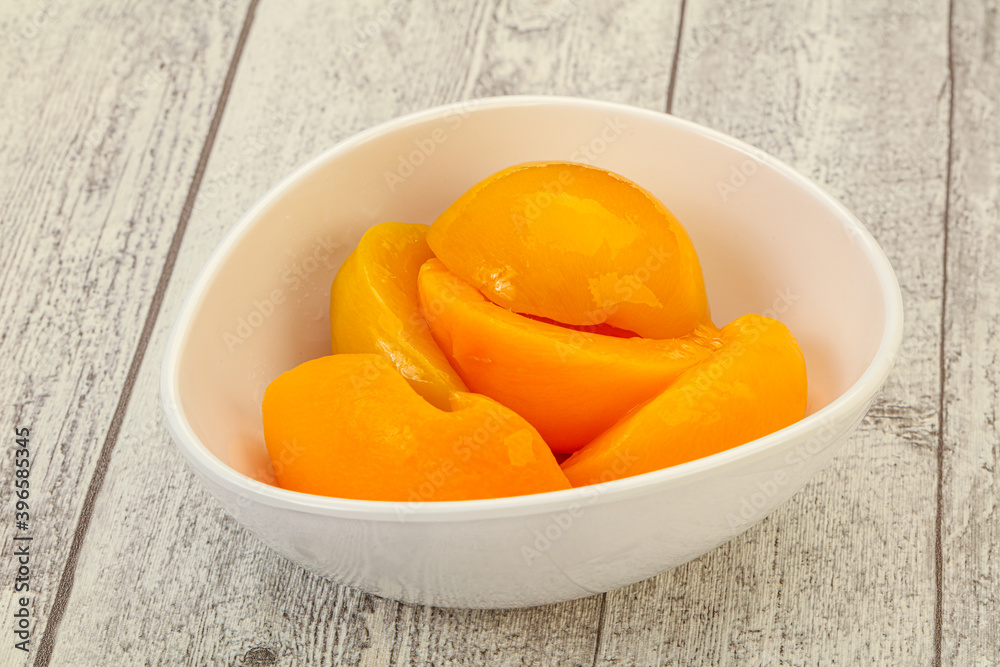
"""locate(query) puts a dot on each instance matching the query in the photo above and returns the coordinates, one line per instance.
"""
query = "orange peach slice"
(754, 384)
(373, 308)
(575, 244)
(568, 384)
(350, 426)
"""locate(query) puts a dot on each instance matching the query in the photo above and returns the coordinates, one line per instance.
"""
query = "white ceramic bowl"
(770, 242)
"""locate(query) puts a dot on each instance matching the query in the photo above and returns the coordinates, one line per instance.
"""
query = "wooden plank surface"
(105, 111)
(102, 118)
(164, 540)
(850, 94)
(970, 490)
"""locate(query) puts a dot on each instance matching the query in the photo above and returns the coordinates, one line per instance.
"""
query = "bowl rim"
(212, 469)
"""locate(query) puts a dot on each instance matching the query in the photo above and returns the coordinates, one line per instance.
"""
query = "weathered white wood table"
(132, 135)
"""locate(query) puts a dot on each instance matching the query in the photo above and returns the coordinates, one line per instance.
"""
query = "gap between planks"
(942, 366)
(671, 85)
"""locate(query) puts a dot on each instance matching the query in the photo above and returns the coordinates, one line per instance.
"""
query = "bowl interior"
(769, 243)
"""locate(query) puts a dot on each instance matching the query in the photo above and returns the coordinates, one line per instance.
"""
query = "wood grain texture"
(970, 509)
(617, 51)
(103, 113)
(199, 589)
(853, 94)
